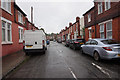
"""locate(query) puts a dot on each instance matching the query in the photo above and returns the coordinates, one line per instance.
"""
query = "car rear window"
(81, 40)
(109, 42)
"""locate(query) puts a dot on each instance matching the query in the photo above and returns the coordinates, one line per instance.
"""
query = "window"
(6, 31)
(89, 17)
(9, 31)
(109, 41)
(100, 9)
(6, 5)
(90, 33)
(88, 42)
(3, 30)
(102, 31)
(93, 42)
(20, 34)
(109, 29)
(20, 17)
(107, 4)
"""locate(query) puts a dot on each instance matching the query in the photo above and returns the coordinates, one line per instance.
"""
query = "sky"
(54, 15)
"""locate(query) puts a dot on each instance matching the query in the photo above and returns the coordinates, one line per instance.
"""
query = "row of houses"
(101, 21)
(74, 31)
(13, 23)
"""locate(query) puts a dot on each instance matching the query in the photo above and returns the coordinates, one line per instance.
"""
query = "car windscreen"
(109, 42)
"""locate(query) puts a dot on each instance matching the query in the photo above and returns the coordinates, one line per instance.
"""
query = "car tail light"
(43, 42)
(107, 48)
(76, 42)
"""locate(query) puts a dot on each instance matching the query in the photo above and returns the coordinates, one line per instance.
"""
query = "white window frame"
(102, 25)
(7, 6)
(6, 31)
(20, 17)
(89, 17)
(20, 34)
(100, 6)
(90, 33)
(107, 7)
(108, 30)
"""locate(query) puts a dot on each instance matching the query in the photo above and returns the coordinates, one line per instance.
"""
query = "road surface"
(63, 62)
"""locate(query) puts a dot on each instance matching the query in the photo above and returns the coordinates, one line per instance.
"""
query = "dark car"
(67, 43)
(76, 43)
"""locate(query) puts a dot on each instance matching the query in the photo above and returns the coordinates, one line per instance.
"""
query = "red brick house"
(14, 22)
(0, 32)
(102, 21)
(71, 32)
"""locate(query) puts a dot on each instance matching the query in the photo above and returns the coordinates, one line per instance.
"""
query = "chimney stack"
(31, 14)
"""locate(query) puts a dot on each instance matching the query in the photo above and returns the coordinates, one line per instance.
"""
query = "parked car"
(67, 42)
(59, 40)
(48, 42)
(34, 41)
(76, 43)
(102, 48)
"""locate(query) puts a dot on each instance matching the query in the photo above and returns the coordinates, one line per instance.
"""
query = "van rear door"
(33, 40)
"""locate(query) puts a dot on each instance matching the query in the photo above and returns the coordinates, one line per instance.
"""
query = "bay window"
(109, 29)
(102, 31)
(6, 31)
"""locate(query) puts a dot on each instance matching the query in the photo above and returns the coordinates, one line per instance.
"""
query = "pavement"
(62, 62)
(11, 61)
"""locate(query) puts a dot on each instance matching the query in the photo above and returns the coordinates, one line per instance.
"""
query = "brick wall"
(0, 32)
(16, 46)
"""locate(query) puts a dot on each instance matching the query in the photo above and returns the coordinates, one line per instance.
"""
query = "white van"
(34, 41)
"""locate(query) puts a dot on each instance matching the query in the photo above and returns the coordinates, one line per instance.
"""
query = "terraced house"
(74, 31)
(13, 24)
(103, 20)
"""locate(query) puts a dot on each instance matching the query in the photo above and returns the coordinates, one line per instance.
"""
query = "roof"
(18, 8)
(89, 10)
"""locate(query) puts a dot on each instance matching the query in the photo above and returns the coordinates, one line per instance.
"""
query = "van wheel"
(27, 54)
(44, 52)
(46, 48)
(96, 56)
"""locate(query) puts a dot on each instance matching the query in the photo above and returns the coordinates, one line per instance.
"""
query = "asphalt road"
(63, 62)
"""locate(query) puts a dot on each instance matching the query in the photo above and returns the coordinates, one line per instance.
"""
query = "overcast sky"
(54, 15)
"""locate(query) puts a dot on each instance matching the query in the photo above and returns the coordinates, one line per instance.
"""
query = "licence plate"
(118, 54)
(28, 46)
(81, 43)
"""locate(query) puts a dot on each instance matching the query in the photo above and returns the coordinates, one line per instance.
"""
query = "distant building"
(74, 31)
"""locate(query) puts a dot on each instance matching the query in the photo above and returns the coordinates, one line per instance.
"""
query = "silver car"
(102, 49)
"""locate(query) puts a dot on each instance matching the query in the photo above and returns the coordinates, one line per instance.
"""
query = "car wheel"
(74, 48)
(82, 51)
(96, 56)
